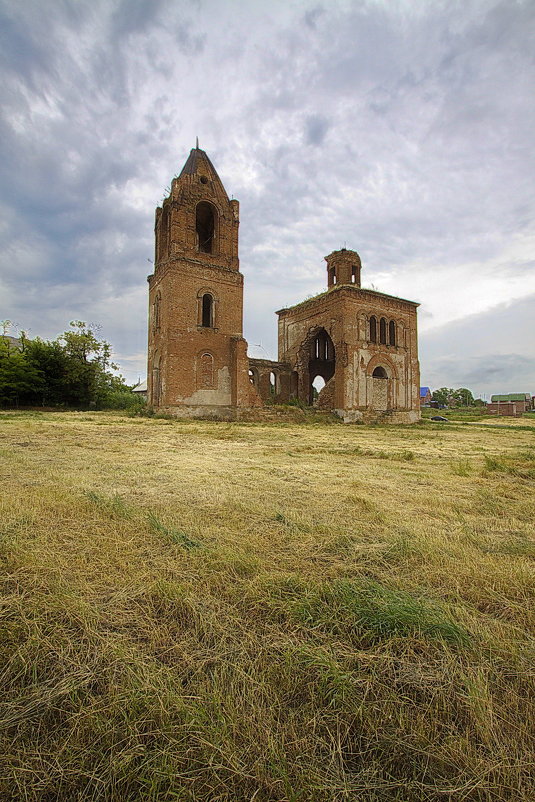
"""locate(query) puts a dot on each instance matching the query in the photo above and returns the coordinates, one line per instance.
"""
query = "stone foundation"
(370, 416)
(203, 412)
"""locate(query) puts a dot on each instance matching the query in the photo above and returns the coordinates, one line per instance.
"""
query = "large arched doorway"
(380, 389)
(321, 361)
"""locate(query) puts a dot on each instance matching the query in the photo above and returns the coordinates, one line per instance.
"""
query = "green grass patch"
(369, 609)
(172, 535)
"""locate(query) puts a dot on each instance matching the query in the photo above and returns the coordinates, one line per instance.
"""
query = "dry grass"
(202, 611)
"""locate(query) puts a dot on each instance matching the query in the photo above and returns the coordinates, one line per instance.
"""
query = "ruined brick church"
(362, 343)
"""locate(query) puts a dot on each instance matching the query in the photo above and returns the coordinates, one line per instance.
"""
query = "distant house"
(141, 388)
(425, 396)
(511, 404)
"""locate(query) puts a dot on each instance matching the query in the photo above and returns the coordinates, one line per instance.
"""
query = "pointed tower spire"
(196, 143)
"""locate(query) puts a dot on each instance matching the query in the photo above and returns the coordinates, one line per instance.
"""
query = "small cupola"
(343, 267)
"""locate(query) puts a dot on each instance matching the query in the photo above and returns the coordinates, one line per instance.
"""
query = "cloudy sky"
(402, 129)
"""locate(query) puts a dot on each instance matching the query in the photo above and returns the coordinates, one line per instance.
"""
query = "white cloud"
(401, 129)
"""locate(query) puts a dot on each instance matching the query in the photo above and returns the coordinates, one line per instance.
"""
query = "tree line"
(448, 397)
(74, 370)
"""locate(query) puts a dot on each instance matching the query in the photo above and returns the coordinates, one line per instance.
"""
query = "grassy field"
(270, 612)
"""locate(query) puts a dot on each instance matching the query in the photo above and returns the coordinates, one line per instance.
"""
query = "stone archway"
(317, 357)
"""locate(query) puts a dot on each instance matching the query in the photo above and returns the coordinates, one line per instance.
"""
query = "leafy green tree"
(87, 365)
(73, 370)
(19, 380)
(50, 360)
(464, 397)
(442, 396)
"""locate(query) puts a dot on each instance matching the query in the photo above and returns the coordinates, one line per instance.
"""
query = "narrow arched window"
(379, 373)
(163, 237)
(156, 311)
(207, 319)
(382, 331)
(353, 274)
(205, 227)
(392, 333)
(373, 329)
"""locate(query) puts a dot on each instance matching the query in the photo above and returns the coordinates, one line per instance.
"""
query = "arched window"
(156, 311)
(205, 220)
(205, 374)
(373, 329)
(382, 331)
(322, 348)
(379, 373)
(333, 275)
(253, 377)
(207, 316)
(392, 333)
(353, 274)
(164, 234)
(274, 383)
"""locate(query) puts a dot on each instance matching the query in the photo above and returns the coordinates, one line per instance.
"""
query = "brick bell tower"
(197, 356)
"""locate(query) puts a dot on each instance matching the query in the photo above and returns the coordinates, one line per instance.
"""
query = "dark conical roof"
(193, 162)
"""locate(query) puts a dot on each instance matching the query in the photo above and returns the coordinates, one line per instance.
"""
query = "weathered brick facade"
(197, 360)
(361, 342)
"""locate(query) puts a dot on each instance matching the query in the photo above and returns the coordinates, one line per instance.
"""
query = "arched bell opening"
(205, 226)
